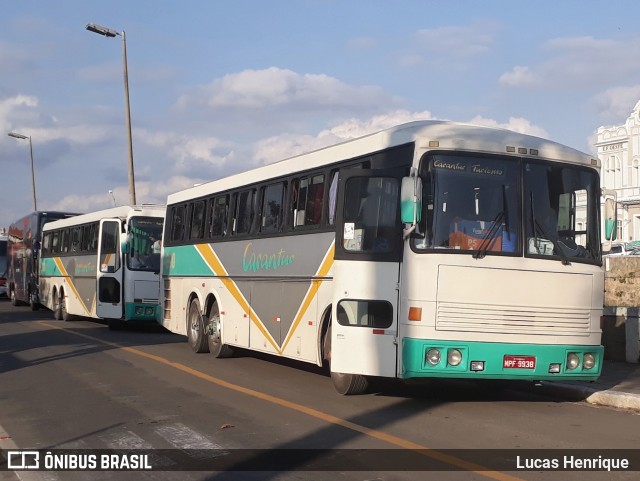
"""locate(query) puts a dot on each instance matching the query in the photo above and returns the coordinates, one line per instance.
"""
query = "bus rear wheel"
(214, 337)
(34, 305)
(196, 328)
(57, 308)
(14, 299)
(63, 308)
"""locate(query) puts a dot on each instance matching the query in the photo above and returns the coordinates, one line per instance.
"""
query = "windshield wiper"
(489, 237)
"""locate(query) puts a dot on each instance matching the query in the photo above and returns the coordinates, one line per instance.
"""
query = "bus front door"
(364, 325)
(110, 271)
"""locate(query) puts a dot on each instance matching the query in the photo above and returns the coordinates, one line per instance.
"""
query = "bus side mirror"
(411, 199)
(610, 219)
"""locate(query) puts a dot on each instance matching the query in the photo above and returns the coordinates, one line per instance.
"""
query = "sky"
(218, 87)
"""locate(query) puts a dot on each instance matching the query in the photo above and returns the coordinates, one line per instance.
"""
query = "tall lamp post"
(107, 32)
(16, 135)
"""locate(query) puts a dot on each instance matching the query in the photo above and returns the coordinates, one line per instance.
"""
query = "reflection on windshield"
(144, 243)
(561, 212)
(475, 205)
(471, 205)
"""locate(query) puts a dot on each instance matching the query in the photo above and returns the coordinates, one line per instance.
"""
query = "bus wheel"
(348, 384)
(57, 308)
(14, 299)
(195, 328)
(33, 301)
(214, 337)
(63, 309)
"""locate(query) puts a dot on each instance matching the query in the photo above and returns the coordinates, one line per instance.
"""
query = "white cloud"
(155, 192)
(517, 124)
(281, 147)
(189, 151)
(14, 110)
(575, 63)
(277, 88)
(518, 77)
(615, 104)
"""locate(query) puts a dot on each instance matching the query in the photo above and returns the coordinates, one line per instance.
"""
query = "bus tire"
(196, 334)
(57, 308)
(34, 305)
(14, 299)
(349, 384)
(214, 337)
(63, 309)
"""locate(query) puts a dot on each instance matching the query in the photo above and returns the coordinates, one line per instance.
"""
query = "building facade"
(618, 148)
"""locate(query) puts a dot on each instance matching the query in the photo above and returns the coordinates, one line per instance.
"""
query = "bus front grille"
(512, 320)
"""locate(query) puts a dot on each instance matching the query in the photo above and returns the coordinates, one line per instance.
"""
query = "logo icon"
(23, 460)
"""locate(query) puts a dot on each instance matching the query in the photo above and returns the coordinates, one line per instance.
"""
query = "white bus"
(432, 249)
(103, 265)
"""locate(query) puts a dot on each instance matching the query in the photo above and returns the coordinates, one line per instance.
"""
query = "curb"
(607, 397)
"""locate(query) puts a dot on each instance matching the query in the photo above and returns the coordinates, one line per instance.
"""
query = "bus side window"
(55, 242)
(177, 223)
(307, 200)
(76, 236)
(218, 216)
(333, 193)
(197, 221)
(244, 212)
(271, 212)
(293, 205)
(46, 242)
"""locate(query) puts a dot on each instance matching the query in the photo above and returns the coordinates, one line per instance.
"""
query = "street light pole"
(16, 135)
(107, 32)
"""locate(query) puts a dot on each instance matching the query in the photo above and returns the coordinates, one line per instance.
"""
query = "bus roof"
(121, 212)
(427, 134)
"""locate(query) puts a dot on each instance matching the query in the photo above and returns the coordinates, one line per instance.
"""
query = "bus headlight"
(573, 361)
(589, 360)
(454, 357)
(433, 356)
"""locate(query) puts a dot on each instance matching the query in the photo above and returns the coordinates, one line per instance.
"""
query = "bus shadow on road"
(31, 339)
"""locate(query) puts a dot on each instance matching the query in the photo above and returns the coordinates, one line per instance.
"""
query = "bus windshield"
(475, 204)
(143, 243)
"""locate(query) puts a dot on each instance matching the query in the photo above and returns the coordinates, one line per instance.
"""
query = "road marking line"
(329, 418)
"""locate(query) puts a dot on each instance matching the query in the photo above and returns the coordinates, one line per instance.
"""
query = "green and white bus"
(104, 265)
(431, 249)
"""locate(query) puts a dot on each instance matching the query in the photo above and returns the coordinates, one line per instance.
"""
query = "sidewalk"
(618, 386)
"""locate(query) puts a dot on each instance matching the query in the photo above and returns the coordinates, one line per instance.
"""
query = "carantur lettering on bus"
(254, 262)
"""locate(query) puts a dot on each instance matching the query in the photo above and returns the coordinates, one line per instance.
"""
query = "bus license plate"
(519, 362)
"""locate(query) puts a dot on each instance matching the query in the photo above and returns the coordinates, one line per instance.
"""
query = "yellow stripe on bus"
(212, 260)
(324, 269)
(64, 273)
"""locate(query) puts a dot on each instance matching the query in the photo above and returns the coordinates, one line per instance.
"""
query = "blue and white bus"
(104, 265)
(431, 249)
(23, 250)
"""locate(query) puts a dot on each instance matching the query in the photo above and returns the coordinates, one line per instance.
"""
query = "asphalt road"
(78, 385)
